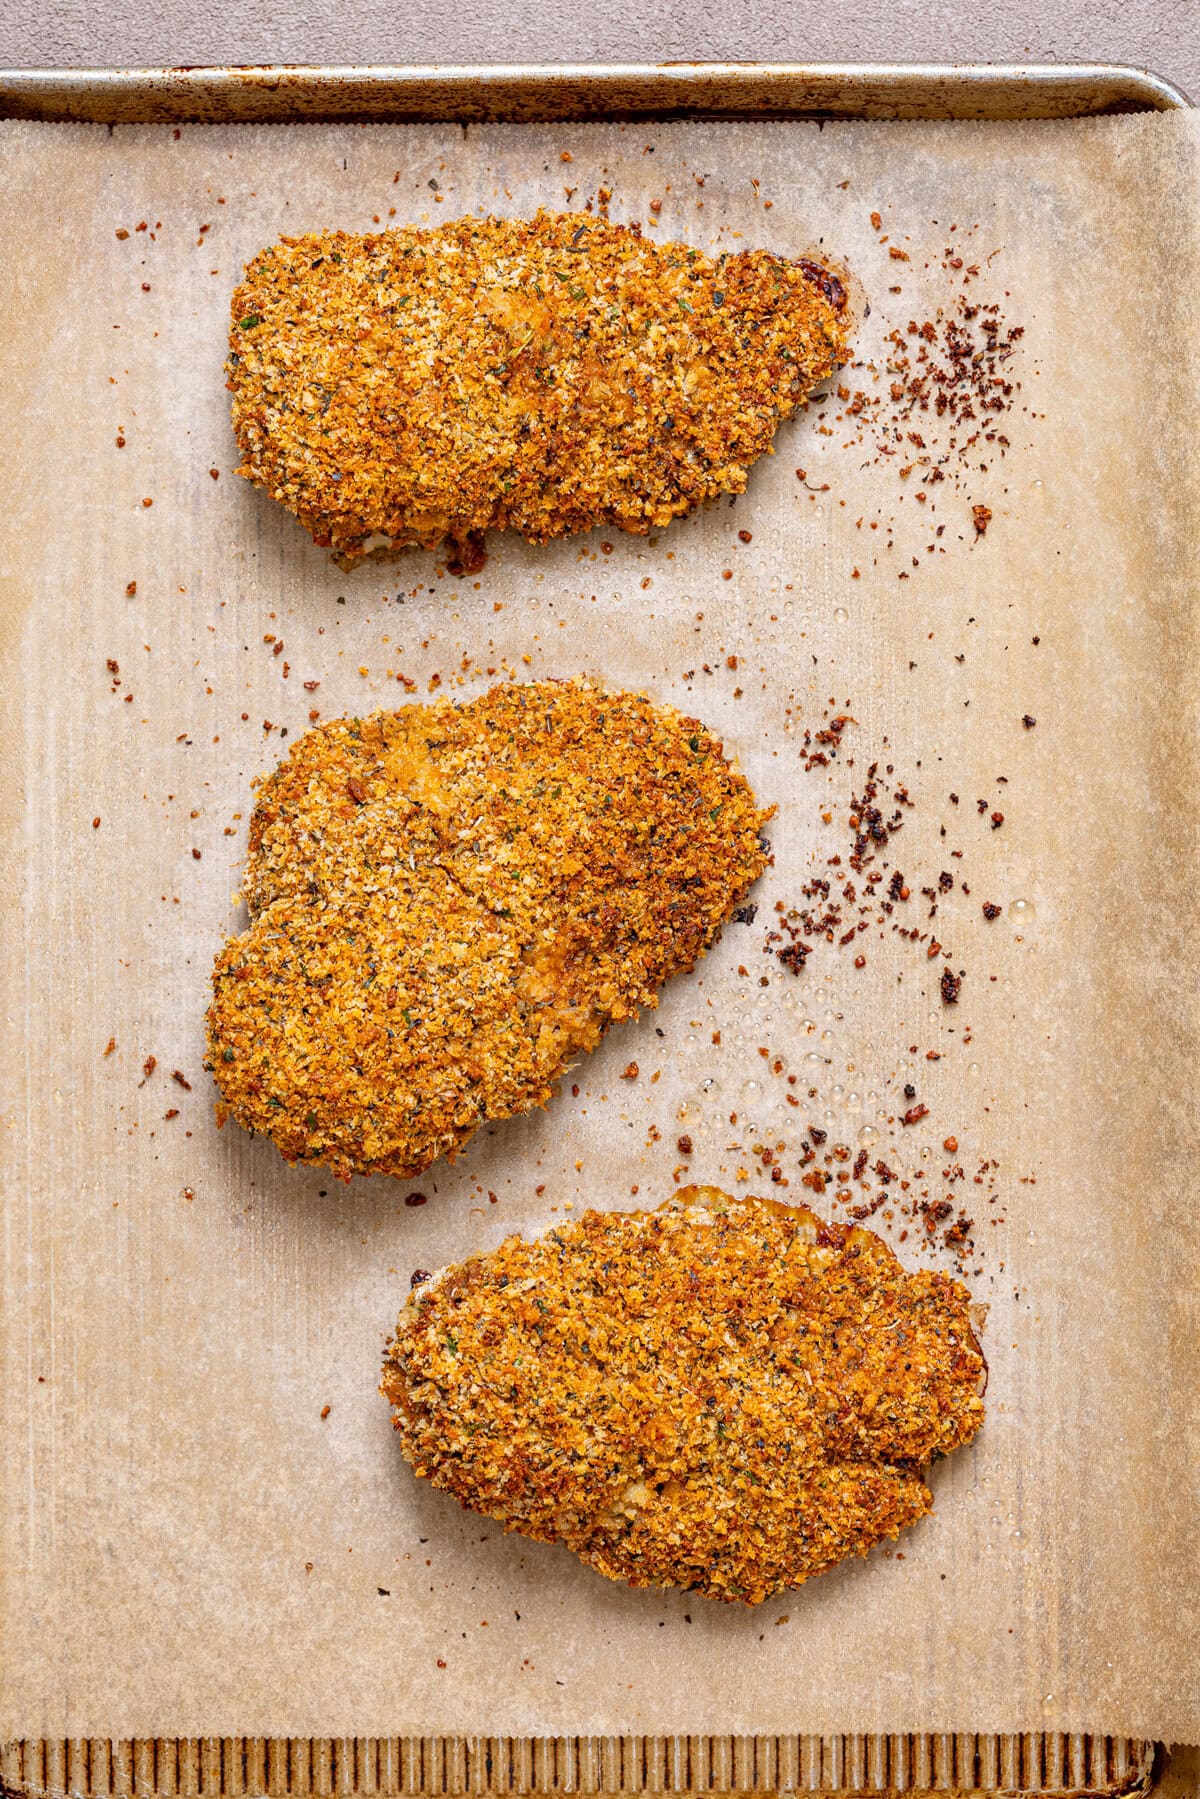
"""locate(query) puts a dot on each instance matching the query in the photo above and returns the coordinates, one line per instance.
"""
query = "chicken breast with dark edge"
(410, 386)
(450, 903)
(725, 1395)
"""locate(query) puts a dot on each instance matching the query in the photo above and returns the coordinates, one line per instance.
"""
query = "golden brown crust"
(451, 903)
(550, 375)
(726, 1394)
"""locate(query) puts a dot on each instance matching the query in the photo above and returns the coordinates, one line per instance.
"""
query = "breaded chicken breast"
(725, 1395)
(450, 903)
(407, 386)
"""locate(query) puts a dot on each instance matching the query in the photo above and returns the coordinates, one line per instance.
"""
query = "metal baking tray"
(573, 91)
(1033, 1763)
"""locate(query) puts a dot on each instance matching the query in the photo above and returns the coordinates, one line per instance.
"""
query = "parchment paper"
(189, 1545)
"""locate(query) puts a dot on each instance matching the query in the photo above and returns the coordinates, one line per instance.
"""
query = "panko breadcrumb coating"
(725, 1395)
(406, 386)
(450, 903)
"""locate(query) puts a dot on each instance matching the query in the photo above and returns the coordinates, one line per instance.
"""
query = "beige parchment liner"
(179, 1307)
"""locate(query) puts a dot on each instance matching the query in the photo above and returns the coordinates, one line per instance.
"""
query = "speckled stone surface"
(1163, 35)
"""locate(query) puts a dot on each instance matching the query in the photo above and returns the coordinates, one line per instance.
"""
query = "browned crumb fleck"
(726, 1395)
(550, 375)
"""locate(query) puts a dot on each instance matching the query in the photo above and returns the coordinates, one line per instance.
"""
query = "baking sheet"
(544, 91)
(178, 1308)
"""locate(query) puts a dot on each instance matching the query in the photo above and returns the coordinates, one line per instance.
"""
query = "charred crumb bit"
(821, 747)
(745, 914)
(181, 1080)
(96, 822)
(684, 1145)
(950, 983)
(990, 910)
(148, 1067)
(997, 820)
(419, 1276)
(934, 408)
(416, 1199)
(1029, 721)
(794, 956)
(325, 1411)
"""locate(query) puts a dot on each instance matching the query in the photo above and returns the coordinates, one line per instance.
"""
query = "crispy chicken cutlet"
(407, 386)
(725, 1395)
(449, 903)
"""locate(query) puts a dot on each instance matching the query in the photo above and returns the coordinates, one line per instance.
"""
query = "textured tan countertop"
(1163, 35)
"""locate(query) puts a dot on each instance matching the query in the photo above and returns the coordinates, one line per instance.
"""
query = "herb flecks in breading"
(412, 385)
(450, 903)
(726, 1394)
